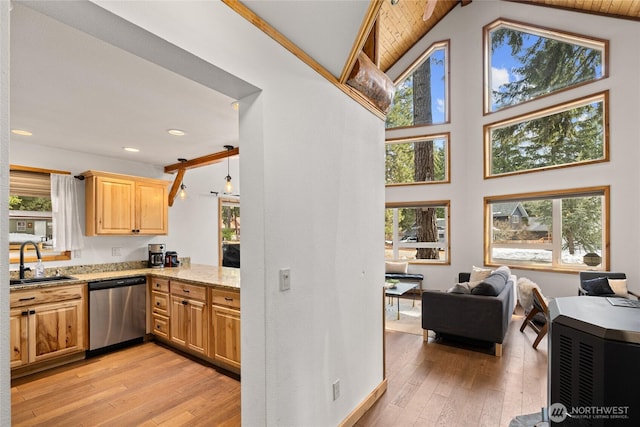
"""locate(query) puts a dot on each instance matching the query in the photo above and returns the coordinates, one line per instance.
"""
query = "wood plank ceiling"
(401, 22)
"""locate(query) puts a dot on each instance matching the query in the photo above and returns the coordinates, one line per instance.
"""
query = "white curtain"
(67, 234)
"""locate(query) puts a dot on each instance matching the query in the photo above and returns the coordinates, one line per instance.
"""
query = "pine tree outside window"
(524, 62)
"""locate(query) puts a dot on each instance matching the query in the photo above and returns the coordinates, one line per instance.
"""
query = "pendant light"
(183, 188)
(228, 187)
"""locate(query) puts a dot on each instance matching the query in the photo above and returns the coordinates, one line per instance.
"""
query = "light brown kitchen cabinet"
(125, 205)
(160, 307)
(46, 324)
(225, 326)
(189, 319)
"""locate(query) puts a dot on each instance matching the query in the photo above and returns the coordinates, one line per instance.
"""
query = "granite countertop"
(226, 277)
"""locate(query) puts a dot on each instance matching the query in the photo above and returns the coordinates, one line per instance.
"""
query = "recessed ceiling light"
(21, 132)
(176, 132)
(131, 149)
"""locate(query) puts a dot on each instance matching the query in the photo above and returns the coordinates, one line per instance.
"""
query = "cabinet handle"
(228, 299)
(24, 313)
(157, 285)
(185, 302)
(27, 299)
(185, 291)
(32, 312)
(158, 303)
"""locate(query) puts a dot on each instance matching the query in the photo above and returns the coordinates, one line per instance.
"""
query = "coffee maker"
(156, 255)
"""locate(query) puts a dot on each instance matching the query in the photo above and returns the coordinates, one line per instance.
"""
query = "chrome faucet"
(22, 269)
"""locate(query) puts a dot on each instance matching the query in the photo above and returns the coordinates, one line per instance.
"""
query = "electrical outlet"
(115, 251)
(285, 279)
(336, 389)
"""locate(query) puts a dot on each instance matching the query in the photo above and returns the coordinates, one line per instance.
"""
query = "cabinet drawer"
(225, 298)
(25, 298)
(161, 285)
(160, 303)
(187, 290)
(161, 326)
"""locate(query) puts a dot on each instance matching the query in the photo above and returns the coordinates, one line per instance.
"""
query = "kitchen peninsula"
(193, 308)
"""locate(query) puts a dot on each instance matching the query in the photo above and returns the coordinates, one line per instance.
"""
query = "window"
(564, 135)
(417, 232)
(30, 217)
(422, 159)
(555, 231)
(229, 232)
(524, 62)
(421, 96)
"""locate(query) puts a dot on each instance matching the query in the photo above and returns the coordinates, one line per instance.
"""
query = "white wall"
(312, 201)
(463, 26)
(312, 179)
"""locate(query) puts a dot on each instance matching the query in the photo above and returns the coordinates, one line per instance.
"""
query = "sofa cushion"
(396, 267)
(597, 286)
(492, 285)
(478, 273)
(460, 288)
(619, 287)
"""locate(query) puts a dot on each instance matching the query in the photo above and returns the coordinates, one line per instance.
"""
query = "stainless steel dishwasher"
(117, 313)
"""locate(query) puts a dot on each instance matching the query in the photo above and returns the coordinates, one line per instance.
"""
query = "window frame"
(565, 36)
(447, 150)
(29, 256)
(447, 244)
(446, 44)
(604, 191)
(541, 113)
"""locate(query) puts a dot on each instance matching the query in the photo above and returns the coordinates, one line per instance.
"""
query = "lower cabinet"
(225, 326)
(46, 324)
(201, 320)
(189, 319)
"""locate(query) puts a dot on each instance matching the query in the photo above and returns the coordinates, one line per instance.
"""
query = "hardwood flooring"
(145, 385)
(446, 385)
(150, 385)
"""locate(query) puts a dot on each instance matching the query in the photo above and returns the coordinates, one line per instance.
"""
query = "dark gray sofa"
(475, 317)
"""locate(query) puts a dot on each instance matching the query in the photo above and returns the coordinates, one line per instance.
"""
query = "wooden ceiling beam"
(198, 162)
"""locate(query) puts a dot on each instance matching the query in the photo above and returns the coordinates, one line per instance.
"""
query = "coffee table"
(400, 289)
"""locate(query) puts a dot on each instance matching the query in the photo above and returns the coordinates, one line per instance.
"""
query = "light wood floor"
(149, 385)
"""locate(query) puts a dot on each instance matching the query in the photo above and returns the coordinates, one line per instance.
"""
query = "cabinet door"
(151, 208)
(18, 326)
(55, 329)
(178, 320)
(197, 326)
(226, 335)
(115, 206)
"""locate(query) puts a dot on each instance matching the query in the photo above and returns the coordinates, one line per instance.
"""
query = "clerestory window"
(422, 92)
(525, 62)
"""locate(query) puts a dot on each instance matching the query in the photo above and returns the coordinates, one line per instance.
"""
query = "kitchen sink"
(40, 280)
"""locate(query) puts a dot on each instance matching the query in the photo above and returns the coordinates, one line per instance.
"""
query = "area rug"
(410, 316)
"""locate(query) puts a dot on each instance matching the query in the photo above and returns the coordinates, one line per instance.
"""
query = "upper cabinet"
(125, 205)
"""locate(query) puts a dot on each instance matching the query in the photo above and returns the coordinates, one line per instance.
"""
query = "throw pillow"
(396, 267)
(492, 285)
(460, 288)
(525, 293)
(478, 273)
(597, 286)
(619, 287)
(504, 268)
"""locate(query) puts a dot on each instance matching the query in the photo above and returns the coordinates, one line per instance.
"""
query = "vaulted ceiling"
(114, 103)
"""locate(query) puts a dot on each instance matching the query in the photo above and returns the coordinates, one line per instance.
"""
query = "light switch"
(285, 279)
